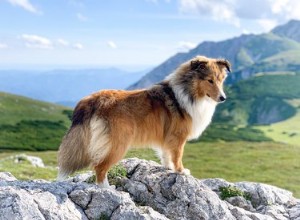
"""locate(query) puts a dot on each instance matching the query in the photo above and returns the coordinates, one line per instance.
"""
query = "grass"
(266, 162)
(27, 124)
(14, 108)
(32, 135)
(270, 163)
(260, 100)
(231, 191)
(287, 131)
(116, 172)
(25, 171)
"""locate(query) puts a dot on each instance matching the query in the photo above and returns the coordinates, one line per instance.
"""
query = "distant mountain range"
(64, 86)
(278, 50)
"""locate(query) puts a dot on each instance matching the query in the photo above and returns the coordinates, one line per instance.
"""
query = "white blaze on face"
(222, 93)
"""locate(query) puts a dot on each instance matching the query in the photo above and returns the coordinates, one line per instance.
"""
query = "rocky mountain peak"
(290, 30)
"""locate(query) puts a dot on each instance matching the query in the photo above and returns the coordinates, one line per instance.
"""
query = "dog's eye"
(211, 81)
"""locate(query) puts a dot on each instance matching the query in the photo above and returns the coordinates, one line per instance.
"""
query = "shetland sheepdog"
(105, 124)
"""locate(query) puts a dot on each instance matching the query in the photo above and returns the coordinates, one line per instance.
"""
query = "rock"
(5, 176)
(241, 202)
(148, 192)
(175, 196)
(263, 194)
(35, 161)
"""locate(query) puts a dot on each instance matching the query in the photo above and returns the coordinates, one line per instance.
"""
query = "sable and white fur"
(105, 124)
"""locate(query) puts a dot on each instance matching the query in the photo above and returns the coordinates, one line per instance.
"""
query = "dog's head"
(202, 77)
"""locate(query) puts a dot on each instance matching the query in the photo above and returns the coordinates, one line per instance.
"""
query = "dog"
(105, 124)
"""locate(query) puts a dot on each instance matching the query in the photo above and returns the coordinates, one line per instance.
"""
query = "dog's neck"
(201, 110)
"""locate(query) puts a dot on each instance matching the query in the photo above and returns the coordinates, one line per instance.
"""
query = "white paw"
(185, 172)
(112, 187)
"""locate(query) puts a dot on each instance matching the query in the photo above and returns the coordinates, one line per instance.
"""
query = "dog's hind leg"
(120, 137)
(113, 157)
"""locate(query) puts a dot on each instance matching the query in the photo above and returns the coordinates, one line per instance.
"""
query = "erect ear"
(197, 64)
(225, 64)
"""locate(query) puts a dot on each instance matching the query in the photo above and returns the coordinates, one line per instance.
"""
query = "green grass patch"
(25, 171)
(14, 108)
(115, 173)
(32, 135)
(230, 133)
(231, 191)
(287, 131)
(27, 124)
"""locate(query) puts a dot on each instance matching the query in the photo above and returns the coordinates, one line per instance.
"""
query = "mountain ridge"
(244, 52)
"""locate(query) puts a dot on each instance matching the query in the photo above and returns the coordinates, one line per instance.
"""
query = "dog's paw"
(185, 172)
(112, 187)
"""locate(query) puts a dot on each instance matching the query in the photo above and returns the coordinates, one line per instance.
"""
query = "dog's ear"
(224, 64)
(198, 65)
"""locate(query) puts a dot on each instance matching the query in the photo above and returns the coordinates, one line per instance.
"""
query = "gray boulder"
(148, 192)
(34, 161)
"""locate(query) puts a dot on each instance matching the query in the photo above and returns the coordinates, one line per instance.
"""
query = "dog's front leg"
(176, 153)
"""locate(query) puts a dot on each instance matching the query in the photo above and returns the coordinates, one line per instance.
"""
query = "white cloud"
(3, 46)
(78, 46)
(81, 17)
(25, 4)
(220, 11)
(186, 45)
(245, 31)
(35, 41)
(156, 1)
(267, 24)
(286, 9)
(63, 42)
(266, 13)
(112, 44)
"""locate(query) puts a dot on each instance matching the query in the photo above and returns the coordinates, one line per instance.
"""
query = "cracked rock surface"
(148, 192)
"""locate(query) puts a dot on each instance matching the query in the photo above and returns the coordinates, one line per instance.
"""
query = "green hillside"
(260, 99)
(263, 46)
(263, 100)
(286, 131)
(27, 124)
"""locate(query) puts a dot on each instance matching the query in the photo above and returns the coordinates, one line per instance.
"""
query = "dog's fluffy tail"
(72, 153)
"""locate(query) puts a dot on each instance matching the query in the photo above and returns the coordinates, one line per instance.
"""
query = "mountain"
(290, 30)
(248, 55)
(262, 108)
(27, 124)
(64, 86)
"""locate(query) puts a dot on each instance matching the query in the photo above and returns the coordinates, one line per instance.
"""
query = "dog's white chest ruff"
(201, 113)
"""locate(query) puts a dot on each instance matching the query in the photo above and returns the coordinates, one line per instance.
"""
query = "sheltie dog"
(105, 124)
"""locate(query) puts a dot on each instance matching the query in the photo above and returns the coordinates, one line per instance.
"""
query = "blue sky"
(130, 34)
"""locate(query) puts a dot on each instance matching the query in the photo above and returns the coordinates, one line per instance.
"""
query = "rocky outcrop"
(148, 191)
(34, 161)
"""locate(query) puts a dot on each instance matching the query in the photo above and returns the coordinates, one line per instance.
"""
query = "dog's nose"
(222, 99)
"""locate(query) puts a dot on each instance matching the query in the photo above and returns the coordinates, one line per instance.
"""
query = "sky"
(132, 34)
